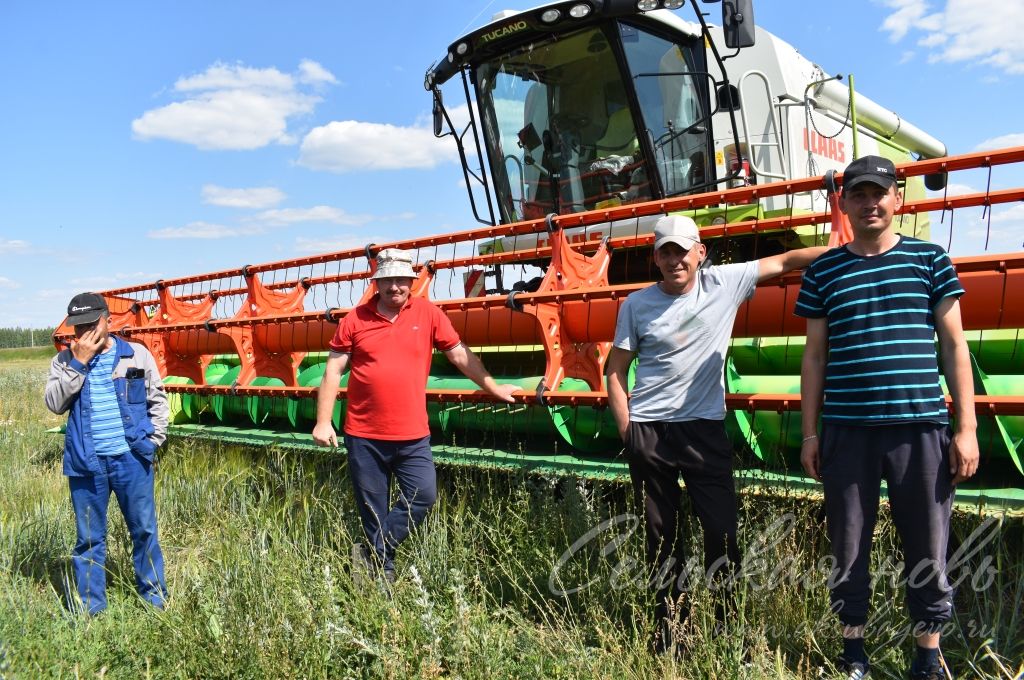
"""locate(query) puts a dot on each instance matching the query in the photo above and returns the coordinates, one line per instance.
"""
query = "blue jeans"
(130, 478)
(372, 463)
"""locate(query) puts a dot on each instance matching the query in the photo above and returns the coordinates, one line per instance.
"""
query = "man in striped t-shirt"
(870, 371)
(117, 418)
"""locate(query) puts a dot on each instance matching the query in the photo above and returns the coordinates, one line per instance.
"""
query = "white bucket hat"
(394, 263)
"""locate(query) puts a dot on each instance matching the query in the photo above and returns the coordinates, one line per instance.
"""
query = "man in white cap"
(387, 343)
(673, 420)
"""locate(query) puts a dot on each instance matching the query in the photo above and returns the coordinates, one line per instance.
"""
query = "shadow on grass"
(48, 567)
(50, 453)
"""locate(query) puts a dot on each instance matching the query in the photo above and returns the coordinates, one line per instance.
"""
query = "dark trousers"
(914, 461)
(372, 463)
(130, 478)
(699, 450)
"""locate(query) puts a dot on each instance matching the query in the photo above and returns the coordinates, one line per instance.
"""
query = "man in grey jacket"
(117, 418)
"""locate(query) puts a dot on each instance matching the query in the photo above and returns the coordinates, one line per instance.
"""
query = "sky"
(148, 140)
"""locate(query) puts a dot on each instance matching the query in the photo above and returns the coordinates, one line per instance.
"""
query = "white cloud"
(136, 276)
(972, 31)
(269, 220)
(238, 77)
(459, 116)
(93, 282)
(907, 15)
(254, 198)
(202, 230)
(933, 40)
(8, 283)
(313, 73)
(30, 307)
(235, 120)
(322, 213)
(998, 240)
(972, 228)
(351, 145)
(1013, 139)
(1003, 232)
(56, 293)
(313, 245)
(234, 107)
(319, 213)
(13, 246)
(955, 189)
(1011, 215)
(102, 282)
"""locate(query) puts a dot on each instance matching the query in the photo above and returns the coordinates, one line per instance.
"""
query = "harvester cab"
(582, 106)
(595, 104)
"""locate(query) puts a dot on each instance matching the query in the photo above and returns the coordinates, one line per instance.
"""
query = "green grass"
(26, 353)
(257, 546)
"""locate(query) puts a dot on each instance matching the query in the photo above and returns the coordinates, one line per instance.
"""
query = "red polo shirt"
(389, 363)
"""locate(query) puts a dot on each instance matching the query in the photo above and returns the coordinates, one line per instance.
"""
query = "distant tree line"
(25, 337)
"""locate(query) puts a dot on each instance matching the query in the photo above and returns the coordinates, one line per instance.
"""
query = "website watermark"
(765, 563)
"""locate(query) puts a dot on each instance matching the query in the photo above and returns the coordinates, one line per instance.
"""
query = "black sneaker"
(367, 570)
(852, 670)
(934, 672)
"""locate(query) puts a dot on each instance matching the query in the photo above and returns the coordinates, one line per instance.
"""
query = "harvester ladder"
(773, 132)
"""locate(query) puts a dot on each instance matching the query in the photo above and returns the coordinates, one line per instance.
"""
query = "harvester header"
(243, 350)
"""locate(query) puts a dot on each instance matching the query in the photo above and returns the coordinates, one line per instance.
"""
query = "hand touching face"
(90, 340)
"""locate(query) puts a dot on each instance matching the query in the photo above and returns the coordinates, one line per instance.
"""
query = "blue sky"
(150, 140)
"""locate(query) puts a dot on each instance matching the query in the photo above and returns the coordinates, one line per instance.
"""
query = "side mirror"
(935, 181)
(738, 23)
(438, 113)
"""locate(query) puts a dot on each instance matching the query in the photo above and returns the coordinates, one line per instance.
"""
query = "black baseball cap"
(86, 308)
(874, 169)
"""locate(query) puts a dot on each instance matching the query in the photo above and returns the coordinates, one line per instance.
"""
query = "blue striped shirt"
(107, 428)
(882, 365)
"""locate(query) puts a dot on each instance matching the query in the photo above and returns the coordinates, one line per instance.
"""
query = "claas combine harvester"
(582, 122)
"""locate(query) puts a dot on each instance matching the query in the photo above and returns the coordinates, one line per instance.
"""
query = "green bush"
(25, 337)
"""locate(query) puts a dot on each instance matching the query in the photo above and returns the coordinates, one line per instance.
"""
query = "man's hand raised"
(88, 345)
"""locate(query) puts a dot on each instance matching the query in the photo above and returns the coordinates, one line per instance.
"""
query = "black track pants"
(913, 459)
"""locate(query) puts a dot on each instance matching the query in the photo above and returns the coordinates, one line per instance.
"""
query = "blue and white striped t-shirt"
(882, 365)
(107, 428)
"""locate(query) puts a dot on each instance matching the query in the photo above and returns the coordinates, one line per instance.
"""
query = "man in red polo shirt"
(387, 344)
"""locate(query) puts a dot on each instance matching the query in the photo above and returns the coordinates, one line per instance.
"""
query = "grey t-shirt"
(681, 341)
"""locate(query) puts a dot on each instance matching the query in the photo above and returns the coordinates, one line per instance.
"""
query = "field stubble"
(511, 576)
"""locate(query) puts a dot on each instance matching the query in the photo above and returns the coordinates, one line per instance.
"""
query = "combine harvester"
(587, 120)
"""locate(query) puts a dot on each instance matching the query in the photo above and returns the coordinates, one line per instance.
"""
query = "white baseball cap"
(677, 229)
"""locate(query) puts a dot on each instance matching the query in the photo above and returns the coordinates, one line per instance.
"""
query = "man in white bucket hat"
(387, 343)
